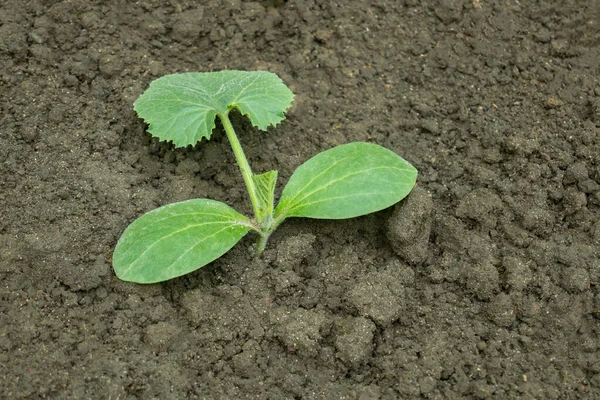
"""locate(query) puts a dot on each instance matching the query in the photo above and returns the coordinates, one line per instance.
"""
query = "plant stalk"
(261, 243)
(242, 163)
(265, 223)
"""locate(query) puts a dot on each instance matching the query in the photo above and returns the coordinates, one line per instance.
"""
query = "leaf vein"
(138, 258)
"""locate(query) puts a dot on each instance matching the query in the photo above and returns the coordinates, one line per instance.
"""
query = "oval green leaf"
(182, 107)
(347, 181)
(176, 239)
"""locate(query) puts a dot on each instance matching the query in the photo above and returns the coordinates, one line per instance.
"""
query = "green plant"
(343, 182)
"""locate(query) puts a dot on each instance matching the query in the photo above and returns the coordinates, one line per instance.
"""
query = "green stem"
(242, 163)
(262, 243)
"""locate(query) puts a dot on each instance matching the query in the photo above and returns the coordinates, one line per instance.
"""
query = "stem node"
(264, 222)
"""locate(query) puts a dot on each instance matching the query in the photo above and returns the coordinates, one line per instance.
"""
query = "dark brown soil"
(484, 283)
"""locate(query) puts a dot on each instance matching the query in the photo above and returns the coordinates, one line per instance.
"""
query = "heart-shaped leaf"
(347, 181)
(182, 107)
(176, 239)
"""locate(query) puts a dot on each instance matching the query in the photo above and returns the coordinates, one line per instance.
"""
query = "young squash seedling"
(343, 182)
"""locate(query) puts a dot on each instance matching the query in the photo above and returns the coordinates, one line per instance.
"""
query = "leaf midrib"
(140, 256)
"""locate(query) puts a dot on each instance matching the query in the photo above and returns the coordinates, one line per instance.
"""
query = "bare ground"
(484, 283)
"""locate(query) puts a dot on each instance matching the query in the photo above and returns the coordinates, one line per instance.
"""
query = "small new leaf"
(265, 188)
(176, 239)
(347, 181)
(182, 107)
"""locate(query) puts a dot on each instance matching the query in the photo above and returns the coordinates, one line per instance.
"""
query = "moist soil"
(483, 283)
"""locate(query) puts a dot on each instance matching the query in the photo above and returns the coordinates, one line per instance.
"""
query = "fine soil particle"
(483, 283)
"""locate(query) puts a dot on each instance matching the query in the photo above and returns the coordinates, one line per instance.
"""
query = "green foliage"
(347, 181)
(265, 188)
(182, 107)
(344, 182)
(176, 239)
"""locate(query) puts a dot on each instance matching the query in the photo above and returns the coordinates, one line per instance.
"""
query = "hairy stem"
(265, 223)
(261, 243)
(242, 163)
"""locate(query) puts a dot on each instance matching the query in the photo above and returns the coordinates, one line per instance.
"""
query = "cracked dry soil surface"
(483, 283)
